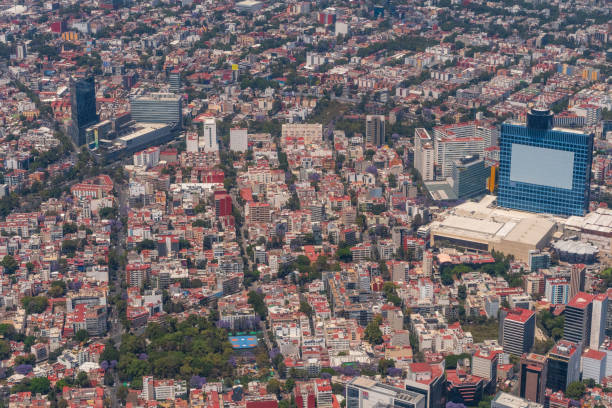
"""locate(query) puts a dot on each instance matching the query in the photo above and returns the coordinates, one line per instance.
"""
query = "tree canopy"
(176, 350)
(372, 333)
(36, 304)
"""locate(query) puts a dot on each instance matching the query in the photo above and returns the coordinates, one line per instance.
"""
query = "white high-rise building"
(147, 158)
(427, 263)
(457, 140)
(209, 142)
(489, 133)
(21, 51)
(239, 140)
(192, 142)
(594, 365)
(449, 150)
(424, 154)
(147, 388)
(598, 320)
(484, 364)
(426, 289)
(607, 348)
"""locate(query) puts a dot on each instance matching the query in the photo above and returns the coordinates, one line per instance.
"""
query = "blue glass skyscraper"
(83, 106)
(544, 169)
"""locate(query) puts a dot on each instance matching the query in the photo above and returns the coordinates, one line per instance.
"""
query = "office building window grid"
(542, 198)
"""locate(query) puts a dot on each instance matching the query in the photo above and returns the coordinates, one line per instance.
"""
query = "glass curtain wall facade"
(544, 169)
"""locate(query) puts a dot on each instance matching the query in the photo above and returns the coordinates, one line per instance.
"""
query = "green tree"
(372, 333)
(391, 293)
(294, 202)
(451, 361)
(110, 352)
(40, 385)
(81, 336)
(109, 379)
(145, 244)
(184, 243)
(25, 359)
(82, 379)
(69, 247)
(36, 304)
(69, 228)
(306, 308)
(256, 300)
(122, 393)
(384, 365)
(575, 390)
(10, 264)
(606, 275)
(273, 386)
(289, 385)
(108, 213)
(57, 289)
(344, 254)
(5, 350)
(462, 292)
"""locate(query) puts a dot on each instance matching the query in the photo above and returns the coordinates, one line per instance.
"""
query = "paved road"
(116, 329)
(243, 229)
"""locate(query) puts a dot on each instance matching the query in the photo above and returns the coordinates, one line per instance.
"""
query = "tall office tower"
(424, 154)
(83, 106)
(158, 108)
(452, 142)
(22, 51)
(543, 169)
(192, 141)
(532, 377)
(488, 132)
(175, 80)
(578, 313)
(317, 211)
(516, 330)
(594, 365)
(563, 365)
(598, 320)
(577, 278)
(363, 392)
(209, 142)
(469, 177)
(223, 204)
(427, 263)
(239, 140)
(484, 365)
(375, 130)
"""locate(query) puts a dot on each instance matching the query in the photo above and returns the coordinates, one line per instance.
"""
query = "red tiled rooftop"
(581, 300)
(519, 315)
(594, 354)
